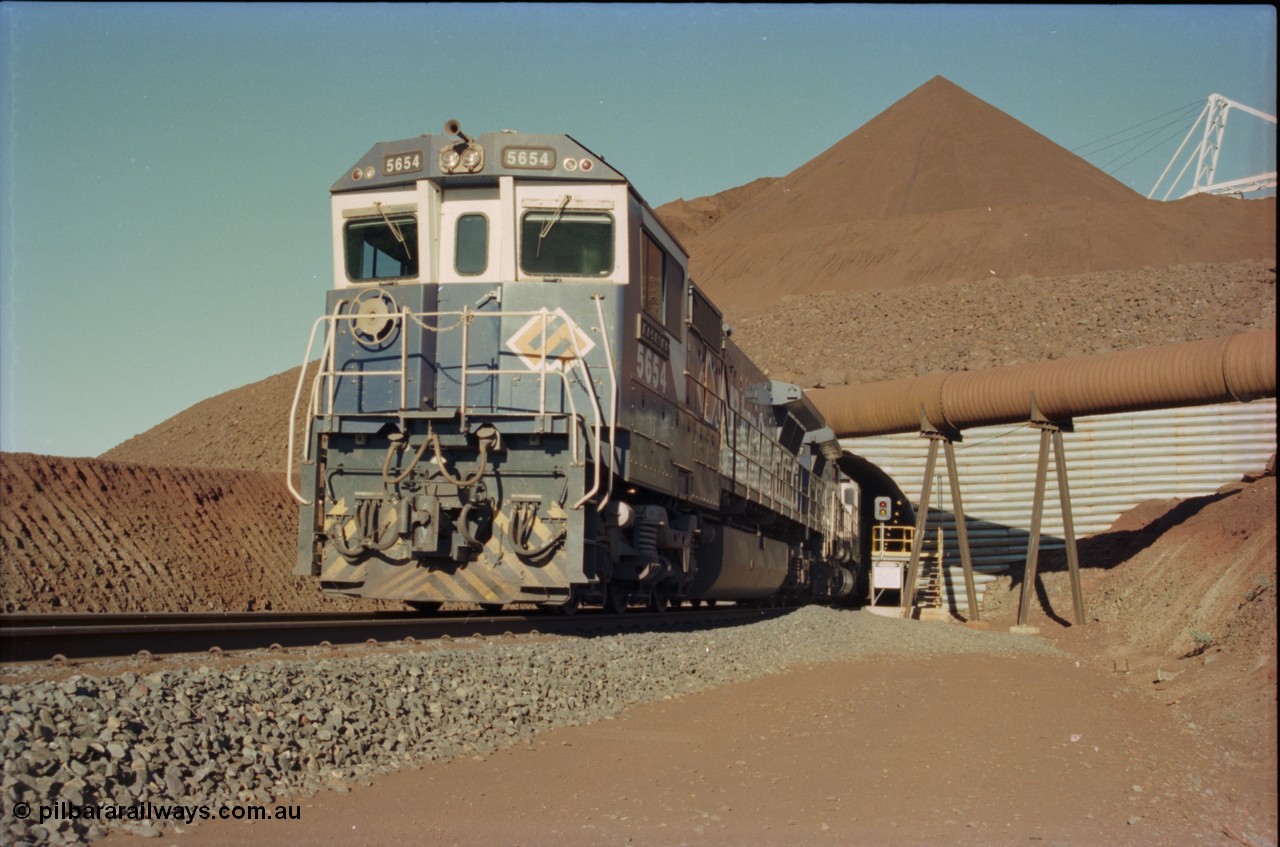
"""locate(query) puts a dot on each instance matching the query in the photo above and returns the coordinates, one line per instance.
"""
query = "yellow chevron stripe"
(399, 585)
(475, 582)
(547, 575)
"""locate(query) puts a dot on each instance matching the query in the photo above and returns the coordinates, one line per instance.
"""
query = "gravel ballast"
(277, 728)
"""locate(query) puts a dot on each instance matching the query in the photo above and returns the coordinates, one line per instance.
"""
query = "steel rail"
(37, 638)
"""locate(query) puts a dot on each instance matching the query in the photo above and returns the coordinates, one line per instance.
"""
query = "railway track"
(36, 638)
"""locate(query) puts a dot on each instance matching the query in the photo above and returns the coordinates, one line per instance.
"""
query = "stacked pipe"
(1216, 370)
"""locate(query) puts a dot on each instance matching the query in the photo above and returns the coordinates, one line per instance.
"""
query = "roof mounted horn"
(452, 127)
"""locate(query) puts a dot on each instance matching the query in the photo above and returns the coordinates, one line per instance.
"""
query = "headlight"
(472, 159)
(449, 159)
(469, 159)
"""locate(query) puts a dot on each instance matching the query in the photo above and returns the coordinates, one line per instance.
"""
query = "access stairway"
(891, 549)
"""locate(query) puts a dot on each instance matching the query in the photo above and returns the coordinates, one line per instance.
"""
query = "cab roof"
(530, 156)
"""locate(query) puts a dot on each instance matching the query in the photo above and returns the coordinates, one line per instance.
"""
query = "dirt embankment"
(83, 535)
(247, 427)
(1181, 595)
(868, 336)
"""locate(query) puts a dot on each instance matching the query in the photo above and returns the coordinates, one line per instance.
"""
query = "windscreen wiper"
(395, 230)
(546, 227)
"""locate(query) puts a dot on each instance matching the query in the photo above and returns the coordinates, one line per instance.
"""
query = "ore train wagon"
(522, 397)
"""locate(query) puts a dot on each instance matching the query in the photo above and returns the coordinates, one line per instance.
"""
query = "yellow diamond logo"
(549, 339)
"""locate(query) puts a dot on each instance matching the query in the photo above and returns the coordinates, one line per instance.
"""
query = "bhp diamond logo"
(546, 341)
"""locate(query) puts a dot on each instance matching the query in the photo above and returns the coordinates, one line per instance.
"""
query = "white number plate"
(401, 163)
(534, 158)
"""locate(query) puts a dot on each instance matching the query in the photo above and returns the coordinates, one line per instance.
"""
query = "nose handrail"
(324, 384)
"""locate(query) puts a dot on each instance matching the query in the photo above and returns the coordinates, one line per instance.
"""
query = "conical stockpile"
(942, 187)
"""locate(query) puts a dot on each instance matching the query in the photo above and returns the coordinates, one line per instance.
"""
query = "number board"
(402, 163)
(655, 337)
(529, 158)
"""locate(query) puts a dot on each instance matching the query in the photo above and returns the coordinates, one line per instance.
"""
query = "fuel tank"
(738, 564)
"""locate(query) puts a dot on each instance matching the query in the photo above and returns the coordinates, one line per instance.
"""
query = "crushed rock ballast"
(278, 728)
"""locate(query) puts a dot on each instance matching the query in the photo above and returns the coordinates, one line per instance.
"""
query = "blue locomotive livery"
(522, 397)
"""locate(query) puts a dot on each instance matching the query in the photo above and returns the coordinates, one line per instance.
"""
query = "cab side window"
(651, 292)
(661, 284)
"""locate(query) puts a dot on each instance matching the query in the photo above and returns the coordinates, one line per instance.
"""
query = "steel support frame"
(947, 439)
(1050, 432)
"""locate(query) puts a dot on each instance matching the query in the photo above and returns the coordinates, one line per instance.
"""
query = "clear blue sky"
(164, 167)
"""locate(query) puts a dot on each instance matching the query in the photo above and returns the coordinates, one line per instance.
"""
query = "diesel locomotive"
(520, 396)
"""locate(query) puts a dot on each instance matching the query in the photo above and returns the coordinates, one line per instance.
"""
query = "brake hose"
(434, 440)
(367, 528)
(520, 531)
(386, 462)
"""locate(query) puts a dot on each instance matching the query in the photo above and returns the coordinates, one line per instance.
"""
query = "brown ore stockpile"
(942, 235)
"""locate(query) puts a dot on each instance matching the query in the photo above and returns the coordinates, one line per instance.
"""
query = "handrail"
(312, 403)
(595, 403)
(464, 371)
(293, 416)
(404, 360)
(756, 454)
(902, 538)
(613, 397)
(328, 376)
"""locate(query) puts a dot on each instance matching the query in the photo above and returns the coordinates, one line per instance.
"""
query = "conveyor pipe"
(1193, 373)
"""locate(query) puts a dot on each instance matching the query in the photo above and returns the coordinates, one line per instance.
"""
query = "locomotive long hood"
(1216, 370)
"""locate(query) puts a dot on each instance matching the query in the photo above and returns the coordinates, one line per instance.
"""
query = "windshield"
(382, 248)
(559, 243)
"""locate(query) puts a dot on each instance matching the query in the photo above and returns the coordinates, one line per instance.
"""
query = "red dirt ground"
(968, 750)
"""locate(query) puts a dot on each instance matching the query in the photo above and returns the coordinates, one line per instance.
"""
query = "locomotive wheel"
(424, 606)
(658, 599)
(615, 598)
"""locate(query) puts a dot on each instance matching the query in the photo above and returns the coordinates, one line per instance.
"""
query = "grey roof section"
(373, 172)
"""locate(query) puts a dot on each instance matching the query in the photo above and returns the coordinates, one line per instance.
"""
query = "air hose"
(367, 529)
(432, 440)
(464, 517)
(523, 517)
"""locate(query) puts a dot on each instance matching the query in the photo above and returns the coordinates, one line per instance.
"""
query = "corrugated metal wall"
(1113, 463)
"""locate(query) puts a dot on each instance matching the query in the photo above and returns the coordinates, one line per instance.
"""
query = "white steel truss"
(1205, 155)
